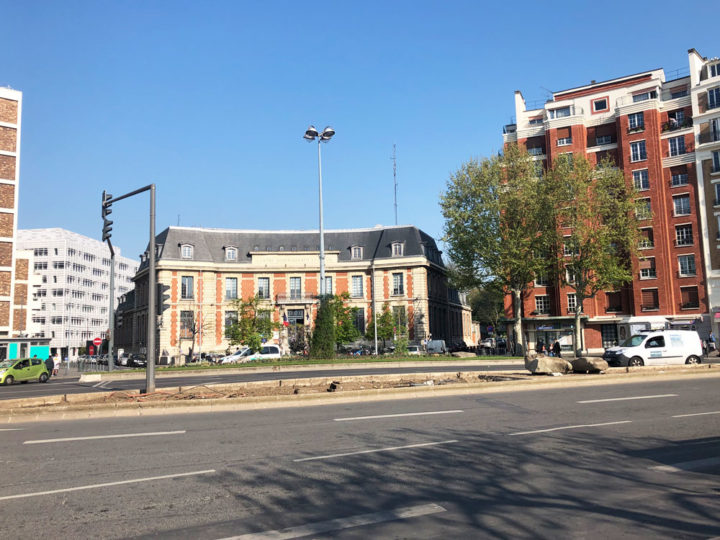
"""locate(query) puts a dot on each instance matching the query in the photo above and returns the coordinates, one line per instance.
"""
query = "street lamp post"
(311, 134)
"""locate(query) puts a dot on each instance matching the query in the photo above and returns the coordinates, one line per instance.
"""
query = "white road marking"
(389, 449)
(106, 484)
(571, 427)
(12, 429)
(343, 523)
(688, 465)
(101, 384)
(627, 398)
(395, 415)
(93, 437)
(695, 414)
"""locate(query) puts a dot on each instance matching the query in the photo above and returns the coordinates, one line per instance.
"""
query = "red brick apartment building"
(664, 133)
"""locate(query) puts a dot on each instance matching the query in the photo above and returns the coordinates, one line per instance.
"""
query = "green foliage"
(385, 325)
(344, 317)
(253, 325)
(401, 345)
(487, 304)
(322, 344)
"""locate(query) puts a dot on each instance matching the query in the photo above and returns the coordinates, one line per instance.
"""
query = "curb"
(75, 406)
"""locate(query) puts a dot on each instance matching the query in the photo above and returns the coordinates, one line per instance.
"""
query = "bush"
(322, 344)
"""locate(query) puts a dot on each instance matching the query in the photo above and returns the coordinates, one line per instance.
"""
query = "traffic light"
(163, 298)
(106, 210)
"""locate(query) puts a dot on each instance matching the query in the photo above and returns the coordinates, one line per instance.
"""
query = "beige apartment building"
(202, 272)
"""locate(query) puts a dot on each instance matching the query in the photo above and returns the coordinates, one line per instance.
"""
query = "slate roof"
(209, 244)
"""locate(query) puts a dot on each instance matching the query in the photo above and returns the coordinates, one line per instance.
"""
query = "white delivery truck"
(659, 347)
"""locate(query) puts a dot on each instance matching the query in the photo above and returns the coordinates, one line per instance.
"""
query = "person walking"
(56, 363)
(556, 348)
(50, 365)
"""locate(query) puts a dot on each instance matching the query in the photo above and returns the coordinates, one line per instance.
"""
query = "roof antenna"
(394, 160)
(178, 220)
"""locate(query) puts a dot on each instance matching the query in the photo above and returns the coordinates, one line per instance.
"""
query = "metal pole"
(372, 288)
(152, 311)
(111, 318)
(322, 235)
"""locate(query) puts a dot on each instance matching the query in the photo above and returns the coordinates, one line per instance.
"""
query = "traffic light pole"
(152, 279)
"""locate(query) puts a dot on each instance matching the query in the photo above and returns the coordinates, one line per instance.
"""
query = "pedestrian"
(712, 346)
(50, 365)
(56, 363)
(556, 348)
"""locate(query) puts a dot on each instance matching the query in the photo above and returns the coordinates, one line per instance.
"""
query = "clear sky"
(209, 100)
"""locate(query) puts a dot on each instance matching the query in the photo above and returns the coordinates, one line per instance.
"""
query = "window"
(542, 281)
(231, 288)
(614, 301)
(295, 287)
(678, 92)
(186, 287)
(714, 70)
(644, 210)
(40, 265)
(264, 287)
(359, 320)
(715, 130)
(714, 98)
(535, 151)
(716, 162)
(542, 304)
(231, 254)
(397, 249)
(637, 151)
(677, 146)
(59, 265)
(570, 276)
(636, 121)
(398, 288)
(328, 285)
(186, 252)
(682, 205)
(231, 319)
(570, 249)
(356, 252)
(649, 300)
(647, 238)
(603, 139)
(641, 180)
(39, 252)
(186, 324)
(599, 105)
(564, 141)
(689, 298)
(400, 320)
(572, 302)
(687, 265)
(559, 113)
(357, 287)
(716, 202)
(647, 268)
(680, 179)
(644, 96)
(683, 235)
(535, 121)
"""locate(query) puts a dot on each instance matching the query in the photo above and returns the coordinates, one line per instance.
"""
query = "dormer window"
(186, 251)
(231, 254)
(397, 249)
(356, 252)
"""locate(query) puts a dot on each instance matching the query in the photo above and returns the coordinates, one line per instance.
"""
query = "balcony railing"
(295, 298)
(673, 125)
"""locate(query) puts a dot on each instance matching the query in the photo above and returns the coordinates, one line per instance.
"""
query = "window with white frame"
(647, 268)
(564, 141)
(641, 180)
(647, 238)
(535, 150)
(264, 287)
(603, 139)
(644, 209)
(570, 275)
(714, 98)
(716, 161)
(536, 121)
(398, 284)
(231, 319)
(186, 251)
(356, 252)
(542, 281)
(636, 121)
(187, 320)
(679, 179)
(186, 287)
(715, 130)
(559, 113)
(600, 105)
(714, 70)
(231, 254)
(542, 304)
(677, 146)
(638, 151)
(356, 287)
(328, 285)
(397, 249)
(681, 203)
(644, 96)
(687, 265)
(231, 288)
(570, 247)
(683, 235)
(572, 302)
(716, 202)
(295, 287)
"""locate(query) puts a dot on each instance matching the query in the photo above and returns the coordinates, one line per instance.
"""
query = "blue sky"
(209, 100)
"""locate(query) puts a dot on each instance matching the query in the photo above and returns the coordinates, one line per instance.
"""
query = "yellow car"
(23, 370)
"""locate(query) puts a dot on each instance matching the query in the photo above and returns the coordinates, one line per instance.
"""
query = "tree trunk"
(517, 325)
(578, 331)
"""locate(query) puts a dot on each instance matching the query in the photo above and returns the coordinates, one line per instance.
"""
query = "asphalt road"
(637, 460)
(65, 385)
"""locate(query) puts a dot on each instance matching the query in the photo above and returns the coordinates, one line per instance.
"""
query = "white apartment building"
(74, 290)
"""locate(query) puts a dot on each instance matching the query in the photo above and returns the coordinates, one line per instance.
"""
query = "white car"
(267, 352)
(234, 357)
(414, 350)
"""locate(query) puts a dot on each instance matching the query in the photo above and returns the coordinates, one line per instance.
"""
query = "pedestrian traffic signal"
(106, 210)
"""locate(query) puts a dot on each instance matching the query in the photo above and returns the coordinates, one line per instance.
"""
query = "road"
(73, 386)
(637, 460)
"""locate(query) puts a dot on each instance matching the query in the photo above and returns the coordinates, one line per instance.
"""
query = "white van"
(657, 348)
(436, 346)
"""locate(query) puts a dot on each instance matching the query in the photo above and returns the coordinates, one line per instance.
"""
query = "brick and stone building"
(664, 133)
(203, 271)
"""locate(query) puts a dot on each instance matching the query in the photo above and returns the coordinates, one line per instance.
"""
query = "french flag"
(285, 321)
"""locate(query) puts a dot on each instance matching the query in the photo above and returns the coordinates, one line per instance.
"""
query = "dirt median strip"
(313, 391)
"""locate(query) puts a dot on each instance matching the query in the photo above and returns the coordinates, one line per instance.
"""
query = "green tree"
(385, 326)
(487, 304)
(596, 227)
(322, 344)
(497, 226)
(344, 317)
(254, 324)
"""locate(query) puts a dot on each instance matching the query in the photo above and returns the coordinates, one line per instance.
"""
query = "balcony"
(674, 125)
(295, 297)
(636, 129)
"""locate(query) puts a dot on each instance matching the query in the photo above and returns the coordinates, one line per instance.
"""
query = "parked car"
(657, 348)
(266, 352)
(137, 360)
(436, 346)
(234, 357)
(414, 350)
(23, 370)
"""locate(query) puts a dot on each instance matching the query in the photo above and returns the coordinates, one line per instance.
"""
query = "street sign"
(97, 341)
(92, 350)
